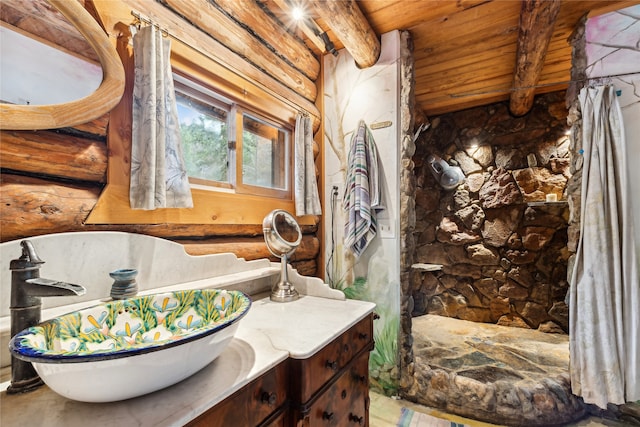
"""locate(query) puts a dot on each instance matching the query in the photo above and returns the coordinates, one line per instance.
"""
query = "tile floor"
(385, 412)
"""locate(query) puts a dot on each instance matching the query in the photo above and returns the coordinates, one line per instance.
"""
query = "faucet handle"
(29, 257)
(29, 252)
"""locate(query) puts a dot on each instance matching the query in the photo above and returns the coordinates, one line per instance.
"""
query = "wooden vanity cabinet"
(345, 402)
(331, 388)
(262, 402)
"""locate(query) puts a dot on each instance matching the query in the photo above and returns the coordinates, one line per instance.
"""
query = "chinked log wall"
(51, 180)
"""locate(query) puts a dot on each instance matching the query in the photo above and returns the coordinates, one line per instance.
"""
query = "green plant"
(358, 290)
(383, 358)
(385, 354)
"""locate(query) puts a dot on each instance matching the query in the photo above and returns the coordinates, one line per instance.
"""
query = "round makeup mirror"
(282, 235)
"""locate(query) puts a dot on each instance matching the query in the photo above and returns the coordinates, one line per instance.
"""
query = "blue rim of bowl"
(30, 354)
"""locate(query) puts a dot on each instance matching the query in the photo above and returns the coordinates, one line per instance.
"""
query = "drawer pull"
(332, 364)
(356, 419)
(327, 416)
(360, 378)
(268, 398)
(363, 336)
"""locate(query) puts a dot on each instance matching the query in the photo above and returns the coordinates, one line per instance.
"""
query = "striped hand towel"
(362, 191)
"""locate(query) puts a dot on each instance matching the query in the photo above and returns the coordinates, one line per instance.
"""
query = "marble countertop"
(269, 334)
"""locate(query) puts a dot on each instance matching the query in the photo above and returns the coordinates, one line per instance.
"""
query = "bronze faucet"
(26, 289)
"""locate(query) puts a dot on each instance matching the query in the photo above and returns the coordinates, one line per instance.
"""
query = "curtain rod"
(139, 16)
(587, 79)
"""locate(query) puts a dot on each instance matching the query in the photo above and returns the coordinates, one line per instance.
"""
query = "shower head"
(449, 177)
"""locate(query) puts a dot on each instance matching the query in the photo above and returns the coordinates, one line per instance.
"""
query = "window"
(205, 142)
(222, 199)
(265, 157)
(226, 145)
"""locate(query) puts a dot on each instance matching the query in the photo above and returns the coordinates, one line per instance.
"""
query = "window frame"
(243, 188)
(237, 110)
(203, 94)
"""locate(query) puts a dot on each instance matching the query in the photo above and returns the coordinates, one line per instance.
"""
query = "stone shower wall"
(504, 255)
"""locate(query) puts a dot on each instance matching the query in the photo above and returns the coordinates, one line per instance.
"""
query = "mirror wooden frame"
(107, 96)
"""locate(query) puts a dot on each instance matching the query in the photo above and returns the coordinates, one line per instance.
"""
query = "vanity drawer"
(258, 403)
(346, 402)
(309, 375)
(279, 419)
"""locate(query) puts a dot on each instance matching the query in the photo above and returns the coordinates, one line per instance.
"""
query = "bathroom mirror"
(282, 235)
(107, 96)
(38, 73)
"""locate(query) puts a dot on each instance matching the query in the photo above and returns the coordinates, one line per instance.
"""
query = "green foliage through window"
(204, 140)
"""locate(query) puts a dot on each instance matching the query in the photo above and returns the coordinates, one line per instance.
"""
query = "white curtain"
(307, 199)
(604, 296)
(158, 174)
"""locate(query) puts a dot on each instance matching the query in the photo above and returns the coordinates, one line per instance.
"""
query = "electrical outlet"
(385, 229)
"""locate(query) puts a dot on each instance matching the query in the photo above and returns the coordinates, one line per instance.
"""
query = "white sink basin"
(122, 349)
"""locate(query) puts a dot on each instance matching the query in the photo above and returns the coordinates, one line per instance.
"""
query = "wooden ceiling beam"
(537, 20)
(349, 24)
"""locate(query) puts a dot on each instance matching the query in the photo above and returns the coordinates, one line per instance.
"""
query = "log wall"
(51, 180)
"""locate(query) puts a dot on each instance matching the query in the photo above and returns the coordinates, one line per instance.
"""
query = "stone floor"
(498, 374)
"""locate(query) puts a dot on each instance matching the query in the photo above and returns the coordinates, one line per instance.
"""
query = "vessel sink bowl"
(126, 348)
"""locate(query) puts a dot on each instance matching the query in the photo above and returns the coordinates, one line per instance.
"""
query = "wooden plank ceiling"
(464, 50)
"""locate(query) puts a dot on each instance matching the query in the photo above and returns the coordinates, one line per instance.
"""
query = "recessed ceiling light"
(298, 13)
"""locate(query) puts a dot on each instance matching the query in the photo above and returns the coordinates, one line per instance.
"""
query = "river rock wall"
(503, 250)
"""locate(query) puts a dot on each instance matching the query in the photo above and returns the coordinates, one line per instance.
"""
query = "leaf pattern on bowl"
(138, 323)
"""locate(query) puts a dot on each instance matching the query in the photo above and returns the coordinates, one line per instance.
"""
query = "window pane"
(204, 139)
(264, 154)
